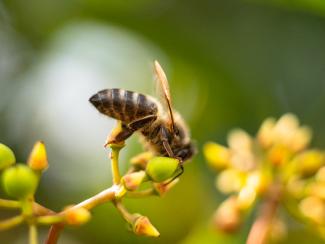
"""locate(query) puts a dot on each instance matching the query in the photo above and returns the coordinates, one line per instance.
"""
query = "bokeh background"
(230, 64)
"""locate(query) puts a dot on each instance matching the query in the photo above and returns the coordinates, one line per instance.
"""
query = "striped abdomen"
(124, 105)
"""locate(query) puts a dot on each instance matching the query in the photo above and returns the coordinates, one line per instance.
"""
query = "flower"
(278, 157)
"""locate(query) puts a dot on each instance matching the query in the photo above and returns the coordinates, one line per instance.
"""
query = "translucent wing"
(163, 91)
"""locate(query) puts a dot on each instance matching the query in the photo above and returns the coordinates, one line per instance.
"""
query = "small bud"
(142, 226)
(246, 197)
(38, 158)
(314, 209)
(230, 180)
(162, 188)
(279, 155)
(308, 162)
(239, 140)
(77, 216)
(285, 129)
(320, 175)
(19, 181)
(217, 156)
(160, 169)
(316, 189)
(257, 181)
(7, 157)
(228, 217)
(265, 133)
(301, 139)
(133, 180)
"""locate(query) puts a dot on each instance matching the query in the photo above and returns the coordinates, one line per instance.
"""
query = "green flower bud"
(7, 157)
(19, 181)
(160, 169)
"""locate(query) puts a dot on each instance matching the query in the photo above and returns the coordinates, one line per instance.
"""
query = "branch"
(259, 231)
(9, 223)
(100, 198)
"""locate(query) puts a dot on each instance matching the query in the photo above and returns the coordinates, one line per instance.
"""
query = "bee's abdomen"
(123, 105)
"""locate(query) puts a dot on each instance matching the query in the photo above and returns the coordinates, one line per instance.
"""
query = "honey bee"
(162, 128)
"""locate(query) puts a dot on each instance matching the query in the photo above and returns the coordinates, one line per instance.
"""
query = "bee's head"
(181, 135)
(186, 152)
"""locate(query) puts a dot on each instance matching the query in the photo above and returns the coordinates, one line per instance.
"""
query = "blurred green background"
(230, 64)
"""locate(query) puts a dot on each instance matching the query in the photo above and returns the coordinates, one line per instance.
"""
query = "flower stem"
(33, 239)
(9, 223)
(100, 198)
(128, 217)
(4, 203)
(114, 162)
(260, 229)
(140, 194)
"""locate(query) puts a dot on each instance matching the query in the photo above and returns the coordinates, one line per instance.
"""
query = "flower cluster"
(277, 168)
(20, 182)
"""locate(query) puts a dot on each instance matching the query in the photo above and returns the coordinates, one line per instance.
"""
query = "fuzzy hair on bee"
(163, 130)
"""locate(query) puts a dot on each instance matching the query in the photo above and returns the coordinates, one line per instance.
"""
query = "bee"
(163, 129)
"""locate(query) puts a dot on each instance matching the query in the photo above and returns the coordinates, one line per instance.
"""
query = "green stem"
(4, 203)
(114, 162)
(124, 212)
(33, 239)
(27, 206)
(9, 223)
(50, 220)
(100, 198)
(140, 194)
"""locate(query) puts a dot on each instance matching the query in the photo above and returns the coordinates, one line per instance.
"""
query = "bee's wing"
(162, 87)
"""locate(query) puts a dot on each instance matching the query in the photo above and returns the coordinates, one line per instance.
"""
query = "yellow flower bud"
(133, 180)
(76, 216)
(228, 217)
(314, 209)
(230, 180)
(320, 175)
(38, 157)
(217, 156)
(265, 134)
(308, 162)
(316, 189)
(279, 154)
(7, 157)
(301, 139)
(160, 169)
(285, 128)
(239, 140)
(246, 197)
(142, 226)
(19, 181)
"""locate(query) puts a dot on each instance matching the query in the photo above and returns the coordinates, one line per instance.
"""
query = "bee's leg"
(118, 134)
(123, 131)
(164, 139)
(140, 123)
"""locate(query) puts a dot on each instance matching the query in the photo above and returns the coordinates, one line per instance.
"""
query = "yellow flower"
(217, 155)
